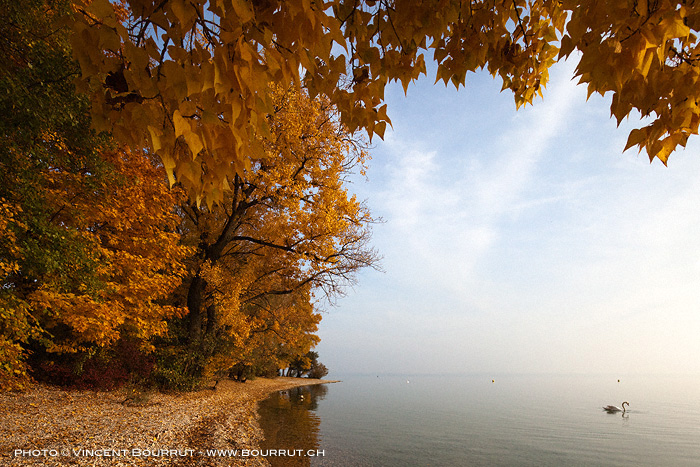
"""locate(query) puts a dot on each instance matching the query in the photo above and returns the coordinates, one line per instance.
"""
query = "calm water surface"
(470, 420)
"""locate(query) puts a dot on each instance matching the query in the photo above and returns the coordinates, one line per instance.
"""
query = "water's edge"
(478, 420)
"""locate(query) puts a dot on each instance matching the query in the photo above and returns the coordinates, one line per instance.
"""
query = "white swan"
(614, 409)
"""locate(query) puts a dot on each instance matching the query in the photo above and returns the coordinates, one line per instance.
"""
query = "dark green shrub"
(178, 369)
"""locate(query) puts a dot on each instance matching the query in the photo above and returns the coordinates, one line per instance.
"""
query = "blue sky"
(521, 241)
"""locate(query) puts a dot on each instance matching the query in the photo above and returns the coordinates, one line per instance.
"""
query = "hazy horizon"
(521, 242)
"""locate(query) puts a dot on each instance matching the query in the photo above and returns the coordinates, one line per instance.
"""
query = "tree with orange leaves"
(190, 78)
(287, 229)
(88, 247)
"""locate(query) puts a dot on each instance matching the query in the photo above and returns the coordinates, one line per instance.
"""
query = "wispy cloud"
(444, 210)
(528, 245)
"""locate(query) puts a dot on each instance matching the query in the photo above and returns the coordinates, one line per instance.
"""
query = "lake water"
(474, 421)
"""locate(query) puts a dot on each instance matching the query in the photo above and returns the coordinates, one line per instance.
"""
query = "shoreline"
(57, 427)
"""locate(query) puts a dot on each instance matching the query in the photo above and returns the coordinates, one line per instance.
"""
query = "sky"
(521, 241)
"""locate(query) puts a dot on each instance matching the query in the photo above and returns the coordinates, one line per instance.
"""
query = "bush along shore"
(49, 426)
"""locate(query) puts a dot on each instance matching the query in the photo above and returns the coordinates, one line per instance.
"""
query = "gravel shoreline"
(57, 427)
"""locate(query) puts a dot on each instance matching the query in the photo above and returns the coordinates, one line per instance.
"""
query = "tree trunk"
(212, 321)
(195, 305)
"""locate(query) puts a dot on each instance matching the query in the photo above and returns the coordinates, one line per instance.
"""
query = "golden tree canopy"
(189, 79)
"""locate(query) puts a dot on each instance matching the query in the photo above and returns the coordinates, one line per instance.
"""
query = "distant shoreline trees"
(307, 365)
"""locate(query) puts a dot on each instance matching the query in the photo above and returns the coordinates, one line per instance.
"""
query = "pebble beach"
(48, 426)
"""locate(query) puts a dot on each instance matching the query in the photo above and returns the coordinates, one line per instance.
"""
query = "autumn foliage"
(286, 227)
(172, 172)
(189, 78)
(110, 275)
